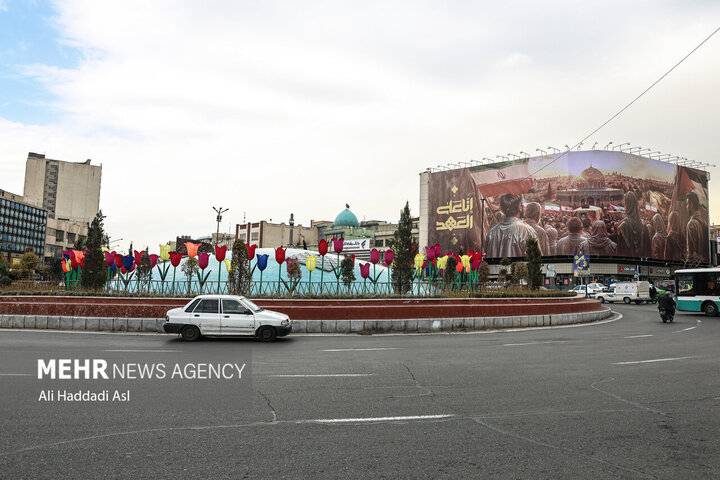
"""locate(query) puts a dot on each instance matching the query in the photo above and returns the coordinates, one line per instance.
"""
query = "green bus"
(698, 290)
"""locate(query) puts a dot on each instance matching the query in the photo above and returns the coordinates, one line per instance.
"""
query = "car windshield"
(251, 305)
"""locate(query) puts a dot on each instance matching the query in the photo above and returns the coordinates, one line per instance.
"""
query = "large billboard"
(594, 202)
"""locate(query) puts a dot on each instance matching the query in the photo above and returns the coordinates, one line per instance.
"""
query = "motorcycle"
(667, 316)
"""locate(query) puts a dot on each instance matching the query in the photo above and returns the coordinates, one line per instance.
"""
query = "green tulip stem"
(322, 271)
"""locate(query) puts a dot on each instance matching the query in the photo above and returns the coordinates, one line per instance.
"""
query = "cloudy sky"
(268, 108)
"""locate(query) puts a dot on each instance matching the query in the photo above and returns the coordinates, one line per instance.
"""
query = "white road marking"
(359, 349)
(684, 329)
(326, 375)
(652, 361)
(146, 351)
(528, 343)
(16, 374)
(638, 336)
(375, 419)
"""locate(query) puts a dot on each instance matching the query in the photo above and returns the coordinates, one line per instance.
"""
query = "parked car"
(592, 289)
(233, 315)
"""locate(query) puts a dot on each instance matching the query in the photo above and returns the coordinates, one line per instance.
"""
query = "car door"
(207, 316)
(236, 318)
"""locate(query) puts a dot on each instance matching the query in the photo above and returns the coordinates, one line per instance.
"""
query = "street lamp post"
(543, 152)
(606, 146)
(219, 211)
(619, 147)
(557, 150)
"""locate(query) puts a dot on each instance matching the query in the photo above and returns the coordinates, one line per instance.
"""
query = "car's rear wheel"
(626, 300)
(190, 333)
(267, 334)
(710, 309)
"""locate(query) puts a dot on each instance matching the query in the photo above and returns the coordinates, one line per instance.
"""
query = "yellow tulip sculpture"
(310, 264)
(164, 267)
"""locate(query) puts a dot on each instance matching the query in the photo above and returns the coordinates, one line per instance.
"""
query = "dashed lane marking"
(653, 361)
(319, 375)
(359, 349)
(376, 419)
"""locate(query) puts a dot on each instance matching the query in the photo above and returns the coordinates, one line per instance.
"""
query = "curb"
(96, 324)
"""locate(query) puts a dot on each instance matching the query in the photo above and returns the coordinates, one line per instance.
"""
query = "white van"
(626, 292)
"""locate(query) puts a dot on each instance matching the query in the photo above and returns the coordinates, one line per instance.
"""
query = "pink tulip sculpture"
(338, 247)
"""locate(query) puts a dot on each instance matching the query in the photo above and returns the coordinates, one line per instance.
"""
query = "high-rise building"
(22, 227)
(69, 192)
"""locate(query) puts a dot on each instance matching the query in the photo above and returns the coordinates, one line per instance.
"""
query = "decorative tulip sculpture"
(192, 248)
(175, 259)
(338, 247)
(374, 259)
(118, 267)
(163, 268)
(220, 253)
(109, 261)
(389, 256)
(262, 265)
(430, 254)
(310, 263)
(322, 250)
(419, 261)
(203, 259)
(364, 273)
(280, 258)
(127, 269)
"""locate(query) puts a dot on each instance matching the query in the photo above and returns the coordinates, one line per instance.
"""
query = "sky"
(271, 108)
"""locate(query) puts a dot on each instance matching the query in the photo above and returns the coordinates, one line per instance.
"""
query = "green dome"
(346, 218)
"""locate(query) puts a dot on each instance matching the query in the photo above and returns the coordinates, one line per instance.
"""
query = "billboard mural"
(579, 203)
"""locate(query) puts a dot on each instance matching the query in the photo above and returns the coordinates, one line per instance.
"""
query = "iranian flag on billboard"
(501, 178)
(552, 207)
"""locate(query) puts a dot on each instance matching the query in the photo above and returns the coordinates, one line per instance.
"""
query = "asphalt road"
(629, 398)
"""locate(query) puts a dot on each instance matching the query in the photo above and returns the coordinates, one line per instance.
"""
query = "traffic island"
(136, 314)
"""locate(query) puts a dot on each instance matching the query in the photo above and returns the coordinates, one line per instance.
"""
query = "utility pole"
(219, 211)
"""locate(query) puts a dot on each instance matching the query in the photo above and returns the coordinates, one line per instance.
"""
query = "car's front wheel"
(602, 299)
(267, 334)
(190, 333)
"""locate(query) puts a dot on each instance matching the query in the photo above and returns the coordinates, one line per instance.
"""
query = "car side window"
(232, 306)
(208, 306)
(192, 306)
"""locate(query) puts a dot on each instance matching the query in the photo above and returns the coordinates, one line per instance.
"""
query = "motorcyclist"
(667, 303)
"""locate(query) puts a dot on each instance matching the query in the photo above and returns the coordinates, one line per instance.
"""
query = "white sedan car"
(226, 315)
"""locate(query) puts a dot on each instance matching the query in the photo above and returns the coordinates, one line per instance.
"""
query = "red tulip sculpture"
(220, 253)
(338, 247)
(322, 250)
(203, 260)
(280, 258)
(175, 259)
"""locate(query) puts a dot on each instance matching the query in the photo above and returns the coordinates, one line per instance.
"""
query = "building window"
(254, 236)
(59, 235)
(71, 237)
